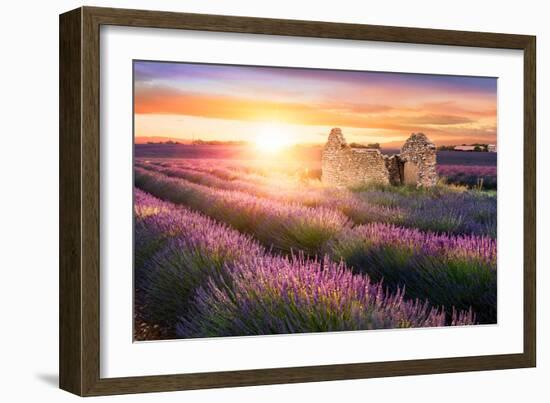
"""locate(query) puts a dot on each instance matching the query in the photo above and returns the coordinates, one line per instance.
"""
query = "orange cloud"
(155, 101)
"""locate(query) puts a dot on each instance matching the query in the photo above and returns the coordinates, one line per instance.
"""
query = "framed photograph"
(249, 201)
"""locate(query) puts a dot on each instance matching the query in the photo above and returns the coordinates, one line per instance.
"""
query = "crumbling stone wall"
(343, 165)
(418, 155)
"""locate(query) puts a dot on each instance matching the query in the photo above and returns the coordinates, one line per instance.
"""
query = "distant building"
(464, 148)
(492, 148)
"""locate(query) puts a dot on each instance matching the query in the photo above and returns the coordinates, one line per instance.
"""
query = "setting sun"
(272, 139)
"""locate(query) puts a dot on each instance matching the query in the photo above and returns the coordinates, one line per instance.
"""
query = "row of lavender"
(442, 209)
(450, 271)
(478, 176)
(201, 278)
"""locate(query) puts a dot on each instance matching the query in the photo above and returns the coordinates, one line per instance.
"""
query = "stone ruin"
(343, 165)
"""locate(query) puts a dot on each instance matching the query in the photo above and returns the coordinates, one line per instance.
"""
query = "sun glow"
(272, 139)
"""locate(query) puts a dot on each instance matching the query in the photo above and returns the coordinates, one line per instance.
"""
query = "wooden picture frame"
(79, 346)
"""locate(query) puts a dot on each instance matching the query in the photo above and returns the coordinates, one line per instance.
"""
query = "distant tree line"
(217, 143)
(201, 142)
(370, 145)
(164, 142)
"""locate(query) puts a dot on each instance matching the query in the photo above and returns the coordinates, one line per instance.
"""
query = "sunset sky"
(222, 102)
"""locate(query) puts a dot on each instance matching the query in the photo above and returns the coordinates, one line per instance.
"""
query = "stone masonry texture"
(343, 165)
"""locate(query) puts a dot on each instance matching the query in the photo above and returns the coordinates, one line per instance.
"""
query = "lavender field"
(230, 246)
(471, 169)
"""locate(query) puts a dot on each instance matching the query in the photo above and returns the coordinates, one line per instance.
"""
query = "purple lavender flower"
(450, 271)
(484, 176)
(273, 295)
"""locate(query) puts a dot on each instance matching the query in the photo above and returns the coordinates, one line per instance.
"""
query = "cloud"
(169, 101)
(434, 119)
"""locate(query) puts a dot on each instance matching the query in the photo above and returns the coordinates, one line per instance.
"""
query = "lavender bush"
(442, 209)
(452, 271)
(483, 176)
(307, 194)
(273, 295)
(283, 226)
(177, 251)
